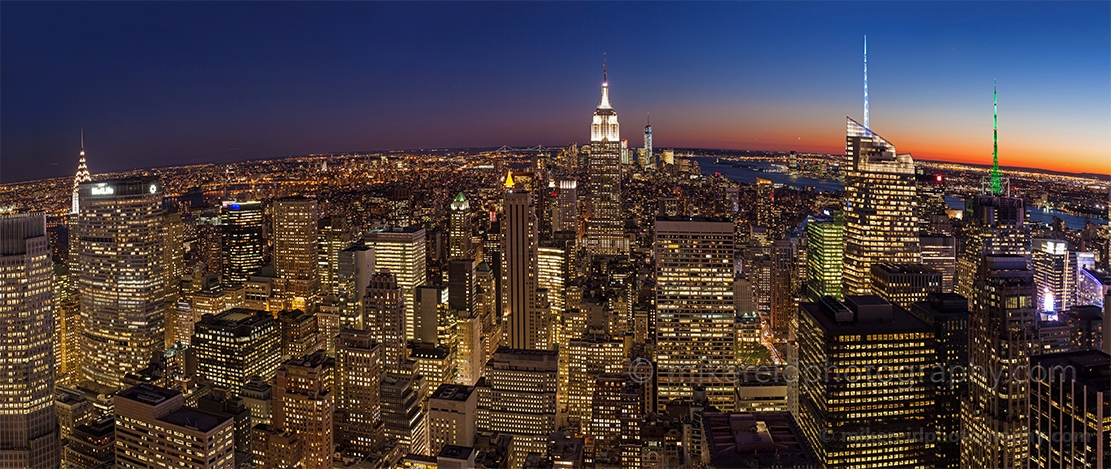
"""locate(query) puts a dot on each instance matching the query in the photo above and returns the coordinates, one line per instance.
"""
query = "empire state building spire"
(605, 104)
(82, 173)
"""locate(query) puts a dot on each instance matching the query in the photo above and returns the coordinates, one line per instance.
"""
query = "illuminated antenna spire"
(866, 82)
(996, 175)
(82, 141)
(604, 79)
(649, 118)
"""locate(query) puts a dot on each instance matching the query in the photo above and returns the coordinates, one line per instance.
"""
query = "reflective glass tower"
(881, 222)
(29, 435)
(242, 225)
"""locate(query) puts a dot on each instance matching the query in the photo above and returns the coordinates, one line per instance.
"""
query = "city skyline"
(289, 80)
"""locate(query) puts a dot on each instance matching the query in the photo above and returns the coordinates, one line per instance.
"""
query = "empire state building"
(605, 227)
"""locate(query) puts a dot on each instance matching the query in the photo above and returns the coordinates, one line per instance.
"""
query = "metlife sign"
(101, 189)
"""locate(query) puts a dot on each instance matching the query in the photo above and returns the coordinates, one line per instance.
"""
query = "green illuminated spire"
(996, 176)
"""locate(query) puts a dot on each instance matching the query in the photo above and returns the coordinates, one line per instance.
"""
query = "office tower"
(356, 265)
(384, 312)
(462, 279)
(1086, 324)
(121, 277)
(91, 446)
(460, 236)
(303, 404)
(889, 406)
(431, 304)
(452, 417)
(518, 397)
(358, 384)
(904, 284)
(566, 212)
(994, 225)
(72, 408)
(470, 349)
(399, 205)
(1055, 275)
(825, 248)
(766, 210)
(1001, 336)
(525, 322)
(783, 300)
(30, 435)
(551, 276)
(242, 239)
(256, 396)
(1070, 394)
(334, 236)
(295, 250)
(67, 326)
(153, 426)
(948, 314)
(300, 335)
(694, 307)
(932, 218)
(649, 162)
(173, 253)
(403, 418)
(605, 229)
(880, 220)
(940, 253)
(235, 345)
(588, 357)
(402, 252)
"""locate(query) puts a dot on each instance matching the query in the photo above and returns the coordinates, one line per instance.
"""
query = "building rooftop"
(903, 268)
(456, 452)
(1092, 368)
(760, 439)
(863, 314)
(196, 419)
(453, 392)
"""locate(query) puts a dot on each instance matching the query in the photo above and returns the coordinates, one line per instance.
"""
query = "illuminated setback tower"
(606, 226)
(526, 325)
(460, 235)
(881, 224)
(121, 276)
(30, 436)
(82, 175)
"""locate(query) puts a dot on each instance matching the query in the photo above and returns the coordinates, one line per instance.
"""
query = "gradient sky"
(156, 83)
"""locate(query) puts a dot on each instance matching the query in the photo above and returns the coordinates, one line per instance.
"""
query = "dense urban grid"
(587, 306)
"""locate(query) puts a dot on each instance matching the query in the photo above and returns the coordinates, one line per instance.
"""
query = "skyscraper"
(153, 426)
(526, 325)
(1068, 391)
(242, 239)
(356, 265)
(880, 213)
(1001, 335)
(460, 236)
(402, 252)
(566, 212)
(82, 176)
(948, 314)
(518, 396)
(856, 409)
(825, 249)
(303, 404)
(784, 271)
(606, 226)
(649, 161)
(29, 438)
(940, 253)
(235, 345)
(1055, 275)
(121, 277)
(904, 284)
(694, 307)
(295, 250)
(358, 383)
(384, 311)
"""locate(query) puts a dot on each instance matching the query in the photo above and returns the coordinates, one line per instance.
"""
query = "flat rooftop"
(453, 392)
(758, 439)
(1092, 368)
(195, 419)
(900, 320)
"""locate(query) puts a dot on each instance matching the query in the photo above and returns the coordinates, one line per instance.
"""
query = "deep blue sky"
(156, 83)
